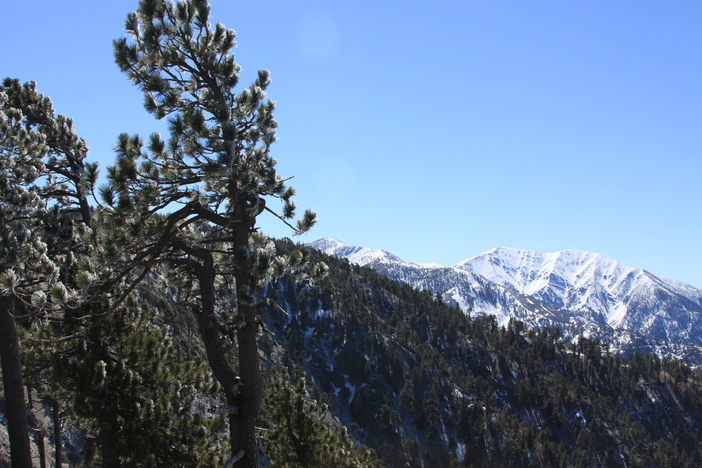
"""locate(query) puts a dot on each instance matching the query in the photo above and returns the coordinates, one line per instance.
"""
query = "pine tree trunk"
(17, 425)
(108, 442)
(242, 423)
(36, 429)
(244, 430)
(244, 433)
(58, 444)
(215, 345)
(39, 439)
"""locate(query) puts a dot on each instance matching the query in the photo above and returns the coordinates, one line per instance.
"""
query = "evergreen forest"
(146, 321)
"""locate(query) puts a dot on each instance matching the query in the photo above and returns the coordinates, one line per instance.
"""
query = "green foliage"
(303, 434)
(215, 172)
(143, 406)
(28, 189)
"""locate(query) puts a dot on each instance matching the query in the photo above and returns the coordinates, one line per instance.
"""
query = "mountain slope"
(580, 293)
(593, 285)
(425, 385)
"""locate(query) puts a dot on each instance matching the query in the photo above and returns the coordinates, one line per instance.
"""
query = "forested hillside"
(423, 384)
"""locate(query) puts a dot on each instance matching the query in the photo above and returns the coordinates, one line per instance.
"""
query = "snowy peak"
(529, 271)
(574, 279)
(585, 283)
(359, 255)
(579, 292)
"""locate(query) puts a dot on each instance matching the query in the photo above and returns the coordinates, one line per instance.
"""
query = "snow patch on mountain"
(582, 293)
(358, 255)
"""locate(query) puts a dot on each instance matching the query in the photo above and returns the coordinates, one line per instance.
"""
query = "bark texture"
(251, 393)
(58, 443)
(17, 425)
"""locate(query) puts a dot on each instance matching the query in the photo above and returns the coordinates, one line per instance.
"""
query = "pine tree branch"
(280, 218)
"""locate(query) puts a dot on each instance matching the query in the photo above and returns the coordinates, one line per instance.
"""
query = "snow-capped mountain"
(581, 293)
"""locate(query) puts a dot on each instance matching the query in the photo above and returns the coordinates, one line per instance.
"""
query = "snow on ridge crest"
(359, 255)
(529, 271)
(532, 272)
(581, 293)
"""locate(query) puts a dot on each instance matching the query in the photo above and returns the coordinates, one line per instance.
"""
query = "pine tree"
(302, 434)
(44, 159)
(29, 274)
(215, 175)
(137, 400)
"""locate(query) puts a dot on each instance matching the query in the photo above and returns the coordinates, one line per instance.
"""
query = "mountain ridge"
(579, 292)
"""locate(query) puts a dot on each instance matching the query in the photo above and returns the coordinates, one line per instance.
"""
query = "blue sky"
(438, 130)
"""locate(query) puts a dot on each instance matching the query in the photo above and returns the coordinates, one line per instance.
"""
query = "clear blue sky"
(436, 129)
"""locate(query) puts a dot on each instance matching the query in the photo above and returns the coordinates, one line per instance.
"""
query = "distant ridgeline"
(580, 293)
